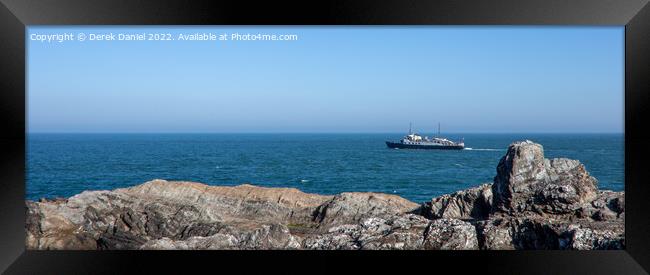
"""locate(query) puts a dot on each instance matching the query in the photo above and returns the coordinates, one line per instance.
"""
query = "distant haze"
(332, 79)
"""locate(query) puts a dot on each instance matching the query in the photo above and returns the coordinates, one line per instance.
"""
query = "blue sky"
(332, 79)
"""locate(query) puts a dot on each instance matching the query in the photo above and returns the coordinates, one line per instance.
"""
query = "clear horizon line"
(316, 132)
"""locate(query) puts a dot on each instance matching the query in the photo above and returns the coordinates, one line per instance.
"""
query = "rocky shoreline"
(533, 203)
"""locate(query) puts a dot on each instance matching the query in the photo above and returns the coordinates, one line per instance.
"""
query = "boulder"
(351, 207)
(472, 203)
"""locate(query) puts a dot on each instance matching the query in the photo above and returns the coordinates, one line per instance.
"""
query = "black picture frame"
(15, 15)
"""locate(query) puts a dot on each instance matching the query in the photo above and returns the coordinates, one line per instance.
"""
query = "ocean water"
(61, 165)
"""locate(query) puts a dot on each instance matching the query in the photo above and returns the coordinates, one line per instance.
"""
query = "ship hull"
(414, 146)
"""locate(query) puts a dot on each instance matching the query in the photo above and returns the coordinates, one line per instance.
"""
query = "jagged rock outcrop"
(168, 215)
(533, 203)
(525, 181)
(550, 204)
(132, 217)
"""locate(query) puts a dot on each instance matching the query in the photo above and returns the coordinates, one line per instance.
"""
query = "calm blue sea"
(61, 165)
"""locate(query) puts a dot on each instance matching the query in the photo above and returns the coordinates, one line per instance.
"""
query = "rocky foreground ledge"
(533, 203)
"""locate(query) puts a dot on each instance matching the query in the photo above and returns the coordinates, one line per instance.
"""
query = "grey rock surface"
(533, 203)
(525, 181)
(472, 203)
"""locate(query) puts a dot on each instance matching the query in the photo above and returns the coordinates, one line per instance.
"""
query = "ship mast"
(438, 129)
(410, 124)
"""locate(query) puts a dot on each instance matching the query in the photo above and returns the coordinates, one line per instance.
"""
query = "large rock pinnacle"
(525, 181)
